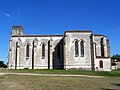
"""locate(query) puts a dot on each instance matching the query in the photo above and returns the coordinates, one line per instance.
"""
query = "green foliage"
(116, 56)
(2, 64)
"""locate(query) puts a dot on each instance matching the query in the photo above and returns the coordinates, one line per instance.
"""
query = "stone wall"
(79, 62)
(60, 51)
(39, 62)
(106, 64)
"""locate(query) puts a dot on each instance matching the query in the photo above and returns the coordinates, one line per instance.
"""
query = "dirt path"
(62, 75)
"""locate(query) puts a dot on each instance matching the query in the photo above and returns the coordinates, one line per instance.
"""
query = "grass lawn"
(17, 82)
(115, 73)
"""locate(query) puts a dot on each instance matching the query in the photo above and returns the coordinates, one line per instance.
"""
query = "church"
(75, 50)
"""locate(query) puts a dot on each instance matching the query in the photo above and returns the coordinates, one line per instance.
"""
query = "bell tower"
(17, 30)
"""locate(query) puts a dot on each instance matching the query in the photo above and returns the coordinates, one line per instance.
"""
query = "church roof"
(72, 31)
(99, 35)
(37, 35)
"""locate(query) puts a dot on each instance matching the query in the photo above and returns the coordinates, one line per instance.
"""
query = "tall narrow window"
(102, 47)
(82, 48)
(43, 51)
(95, 49)
(101, 64)
(76, 49)
(16, 55)
(108, 48)
(59, 51)
(27, 50)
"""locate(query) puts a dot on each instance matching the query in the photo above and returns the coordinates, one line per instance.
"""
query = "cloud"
(114, 31)
(118, 29)
(7, 14)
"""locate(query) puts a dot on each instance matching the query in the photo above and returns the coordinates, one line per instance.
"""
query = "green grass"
(114, 73)
(17, 82)
(21, 82)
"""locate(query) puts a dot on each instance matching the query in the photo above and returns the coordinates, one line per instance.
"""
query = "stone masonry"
(76, 49)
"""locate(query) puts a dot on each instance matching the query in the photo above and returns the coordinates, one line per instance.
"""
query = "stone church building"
(76, 49)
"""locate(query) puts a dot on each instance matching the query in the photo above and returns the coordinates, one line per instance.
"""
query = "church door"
(101, 64)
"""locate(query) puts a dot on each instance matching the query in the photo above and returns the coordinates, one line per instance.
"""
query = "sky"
(57, 16)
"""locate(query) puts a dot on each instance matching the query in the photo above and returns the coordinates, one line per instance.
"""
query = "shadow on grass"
(116, 84)
(108, 89)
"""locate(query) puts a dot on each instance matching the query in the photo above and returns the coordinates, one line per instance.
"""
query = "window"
(102, 47)
(95, 49)
(82, 48)
(59, 51)
(101, 64)
(16, 55)
(27, 50)
(76, 49)
(43, 51)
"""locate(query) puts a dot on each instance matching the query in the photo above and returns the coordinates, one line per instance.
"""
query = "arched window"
(101, 64)
(76, 49)
(59, 51)
(27, 50)
(102, 47)
(82, 48)
(43, 51)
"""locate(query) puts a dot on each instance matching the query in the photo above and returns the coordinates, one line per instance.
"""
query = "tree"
(2, 64)
(116, 56)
